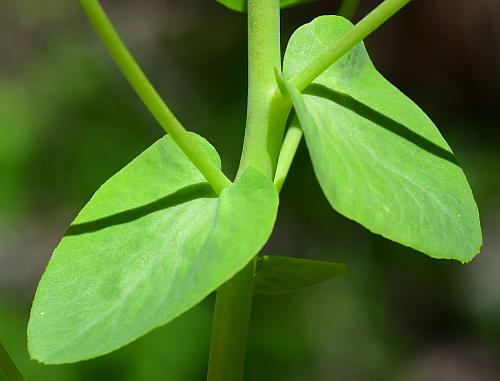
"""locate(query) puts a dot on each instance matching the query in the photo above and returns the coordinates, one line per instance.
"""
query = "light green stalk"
(150, 97)
(357, 34)
(267, 110)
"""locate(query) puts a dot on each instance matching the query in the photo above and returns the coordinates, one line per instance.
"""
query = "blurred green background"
(68, 121)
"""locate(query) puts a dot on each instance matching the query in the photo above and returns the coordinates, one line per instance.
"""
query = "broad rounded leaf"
(276, 275)
(151, 243)
(241, 5)
(378, 158)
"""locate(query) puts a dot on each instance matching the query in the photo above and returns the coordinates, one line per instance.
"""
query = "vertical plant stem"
(8, 366)
(150, 97)
(233, 305)
(265, 121)
(266, 118)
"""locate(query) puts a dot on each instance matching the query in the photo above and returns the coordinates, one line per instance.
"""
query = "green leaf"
(378, 158)
(241, 5)
(279, 275)
(151, 243)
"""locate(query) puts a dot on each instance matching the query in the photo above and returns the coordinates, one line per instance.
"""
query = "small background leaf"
(279, 275)
(151, 243)
(378, 158)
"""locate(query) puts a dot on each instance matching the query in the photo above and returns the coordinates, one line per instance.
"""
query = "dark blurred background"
(68, 121)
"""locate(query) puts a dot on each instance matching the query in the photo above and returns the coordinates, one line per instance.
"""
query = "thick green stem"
(266, 109)
(358, 33)
(150, 97)
(8, 366)
(266, 118)
(230, 327)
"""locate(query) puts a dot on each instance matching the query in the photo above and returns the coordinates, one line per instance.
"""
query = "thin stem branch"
(8, 366)
(288, 150)
(150, 97)
(358, 33)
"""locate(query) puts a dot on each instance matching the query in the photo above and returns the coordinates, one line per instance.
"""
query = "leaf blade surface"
(378, 158)
(151, 243)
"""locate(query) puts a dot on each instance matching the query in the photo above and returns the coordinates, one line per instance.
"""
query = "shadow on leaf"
(186, 194)
(381, 120)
